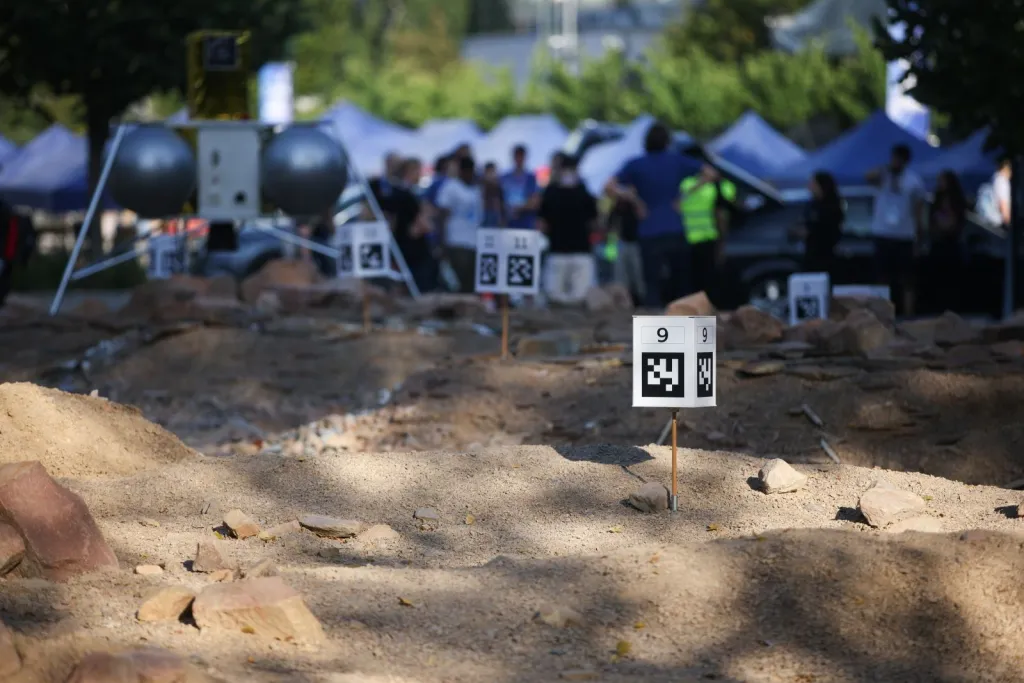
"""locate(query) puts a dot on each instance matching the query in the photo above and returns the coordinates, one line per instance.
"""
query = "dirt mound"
(80, 436)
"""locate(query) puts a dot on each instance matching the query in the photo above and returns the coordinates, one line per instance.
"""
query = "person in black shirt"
(947, 219)
(823, 225)
(629, 265)
(568, 215)
(411, 223)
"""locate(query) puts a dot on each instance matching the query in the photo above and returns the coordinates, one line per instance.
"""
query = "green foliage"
(728, 30)
(964, 57)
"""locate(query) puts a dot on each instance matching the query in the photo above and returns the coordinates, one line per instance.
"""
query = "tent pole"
(94, 205)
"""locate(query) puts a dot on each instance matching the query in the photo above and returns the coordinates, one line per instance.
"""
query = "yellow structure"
(219, 66)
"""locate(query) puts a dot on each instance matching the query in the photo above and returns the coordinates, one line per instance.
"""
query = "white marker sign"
(507, 261)
(674, 361)
(365, 250)
(809, 295)
(165, 257)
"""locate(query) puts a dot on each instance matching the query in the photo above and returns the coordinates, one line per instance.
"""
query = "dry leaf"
(617, 529)
(639, 625)
(623, 648)
(248, 630)
(405, 603)
(470, 519)
(654, 558)
(712, 527)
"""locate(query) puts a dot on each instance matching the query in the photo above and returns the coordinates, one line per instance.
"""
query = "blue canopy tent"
(754, 146)
(7, 150)
(49, 173)
(968, 159)
(367, 139)
(852, 155)
(441, 136)
(542, 135)
(603, 161)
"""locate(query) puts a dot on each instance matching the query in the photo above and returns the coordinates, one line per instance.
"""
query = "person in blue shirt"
(522, 195)
(651, 184)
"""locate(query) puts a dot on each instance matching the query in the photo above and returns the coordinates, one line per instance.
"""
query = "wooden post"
(675, 467)
(367, 322)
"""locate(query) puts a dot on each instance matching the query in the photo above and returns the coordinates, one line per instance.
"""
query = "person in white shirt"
(1001, 187)
(897, 227)
(461, 204)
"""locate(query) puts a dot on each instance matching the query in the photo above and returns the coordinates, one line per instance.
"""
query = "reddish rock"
(840, 307)
(949, 329)
(861, 333)
(104, 667)
(61, 537)
(694, 304)
(12, 548)
(241, 525)
(750, 326)
(166, 604)
(141, 665)
(279, 273)
(267, 607)
(10, 660)
(208, 558)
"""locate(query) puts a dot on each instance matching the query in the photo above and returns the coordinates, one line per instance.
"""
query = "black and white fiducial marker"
(507, 262)
(364, 252)
(674, 366)
(166, 257)
(809, 296)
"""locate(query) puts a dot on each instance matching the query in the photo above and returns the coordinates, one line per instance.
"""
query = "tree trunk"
(98, 121)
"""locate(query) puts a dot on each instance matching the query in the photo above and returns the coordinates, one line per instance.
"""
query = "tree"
(112, 54)
(489, 16)
(728, 30)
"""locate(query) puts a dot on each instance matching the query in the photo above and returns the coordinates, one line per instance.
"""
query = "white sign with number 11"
(674, 361)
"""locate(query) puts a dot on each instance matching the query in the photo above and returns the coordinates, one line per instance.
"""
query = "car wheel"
(768, 292)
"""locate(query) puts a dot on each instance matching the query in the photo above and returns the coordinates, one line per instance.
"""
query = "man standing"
(706, 201)
(897, 226)
(521, 192)
(461, 206)
(412, 224)
(568, 216)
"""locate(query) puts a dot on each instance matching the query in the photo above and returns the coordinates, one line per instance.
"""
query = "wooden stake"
(504, 326)
(367, 322)
(675, 466)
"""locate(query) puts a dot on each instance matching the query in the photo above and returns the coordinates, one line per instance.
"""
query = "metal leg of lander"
(90, 214)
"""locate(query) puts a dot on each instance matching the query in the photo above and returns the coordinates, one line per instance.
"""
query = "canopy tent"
(367, 139)
(441, 136)
(542, 135)
(49, 173)
(753, 145)
(852, 155)
(602, 162)
(7, 149)
(968, 159)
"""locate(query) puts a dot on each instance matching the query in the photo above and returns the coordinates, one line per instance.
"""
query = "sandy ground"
(528, 463)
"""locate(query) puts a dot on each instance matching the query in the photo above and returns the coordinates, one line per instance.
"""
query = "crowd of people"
(666, 222)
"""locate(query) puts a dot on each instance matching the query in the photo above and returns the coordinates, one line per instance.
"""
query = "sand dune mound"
(80, 436)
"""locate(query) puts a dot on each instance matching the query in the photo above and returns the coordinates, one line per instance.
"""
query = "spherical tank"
(154, 173)
(304, 171)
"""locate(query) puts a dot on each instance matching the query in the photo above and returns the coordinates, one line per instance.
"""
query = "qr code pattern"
(345, 258)
(807, 307)
(520, 271)
(662, 375)
(371, 256)
(488, 270)
(705, 374)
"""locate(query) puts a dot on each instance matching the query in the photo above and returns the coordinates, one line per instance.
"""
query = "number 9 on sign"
(705, 335)
(662, 334)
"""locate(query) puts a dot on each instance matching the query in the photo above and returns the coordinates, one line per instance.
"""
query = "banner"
(276, 96)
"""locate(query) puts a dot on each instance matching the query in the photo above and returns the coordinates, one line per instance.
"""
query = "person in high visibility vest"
(706, 204)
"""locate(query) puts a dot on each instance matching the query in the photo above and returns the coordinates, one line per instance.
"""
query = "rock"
(222, 575)
(611, 297)
(922, 524)
(166, 604)
(882, 505)
(694, 304)
(1013, 349)
(978, 535)
(261, 569)
(860, 333)
(652, 497)
(241, 525)
(879, 416)
(331, 527)
(558, 616)
(266, 607)
(778, 476)
(549, 344)
(967, 355)
(104, 667)
(280, 530)
(949, 329)
(379, 533)
(269, 303)
(222, 287)
(149, 570)
(61, 538)
(821, 373)
(762, 368)
(10, 660)
(208, 558)
(279, 273)
(12, 549)
(750, 326)
(427, 515)
(840, 307)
